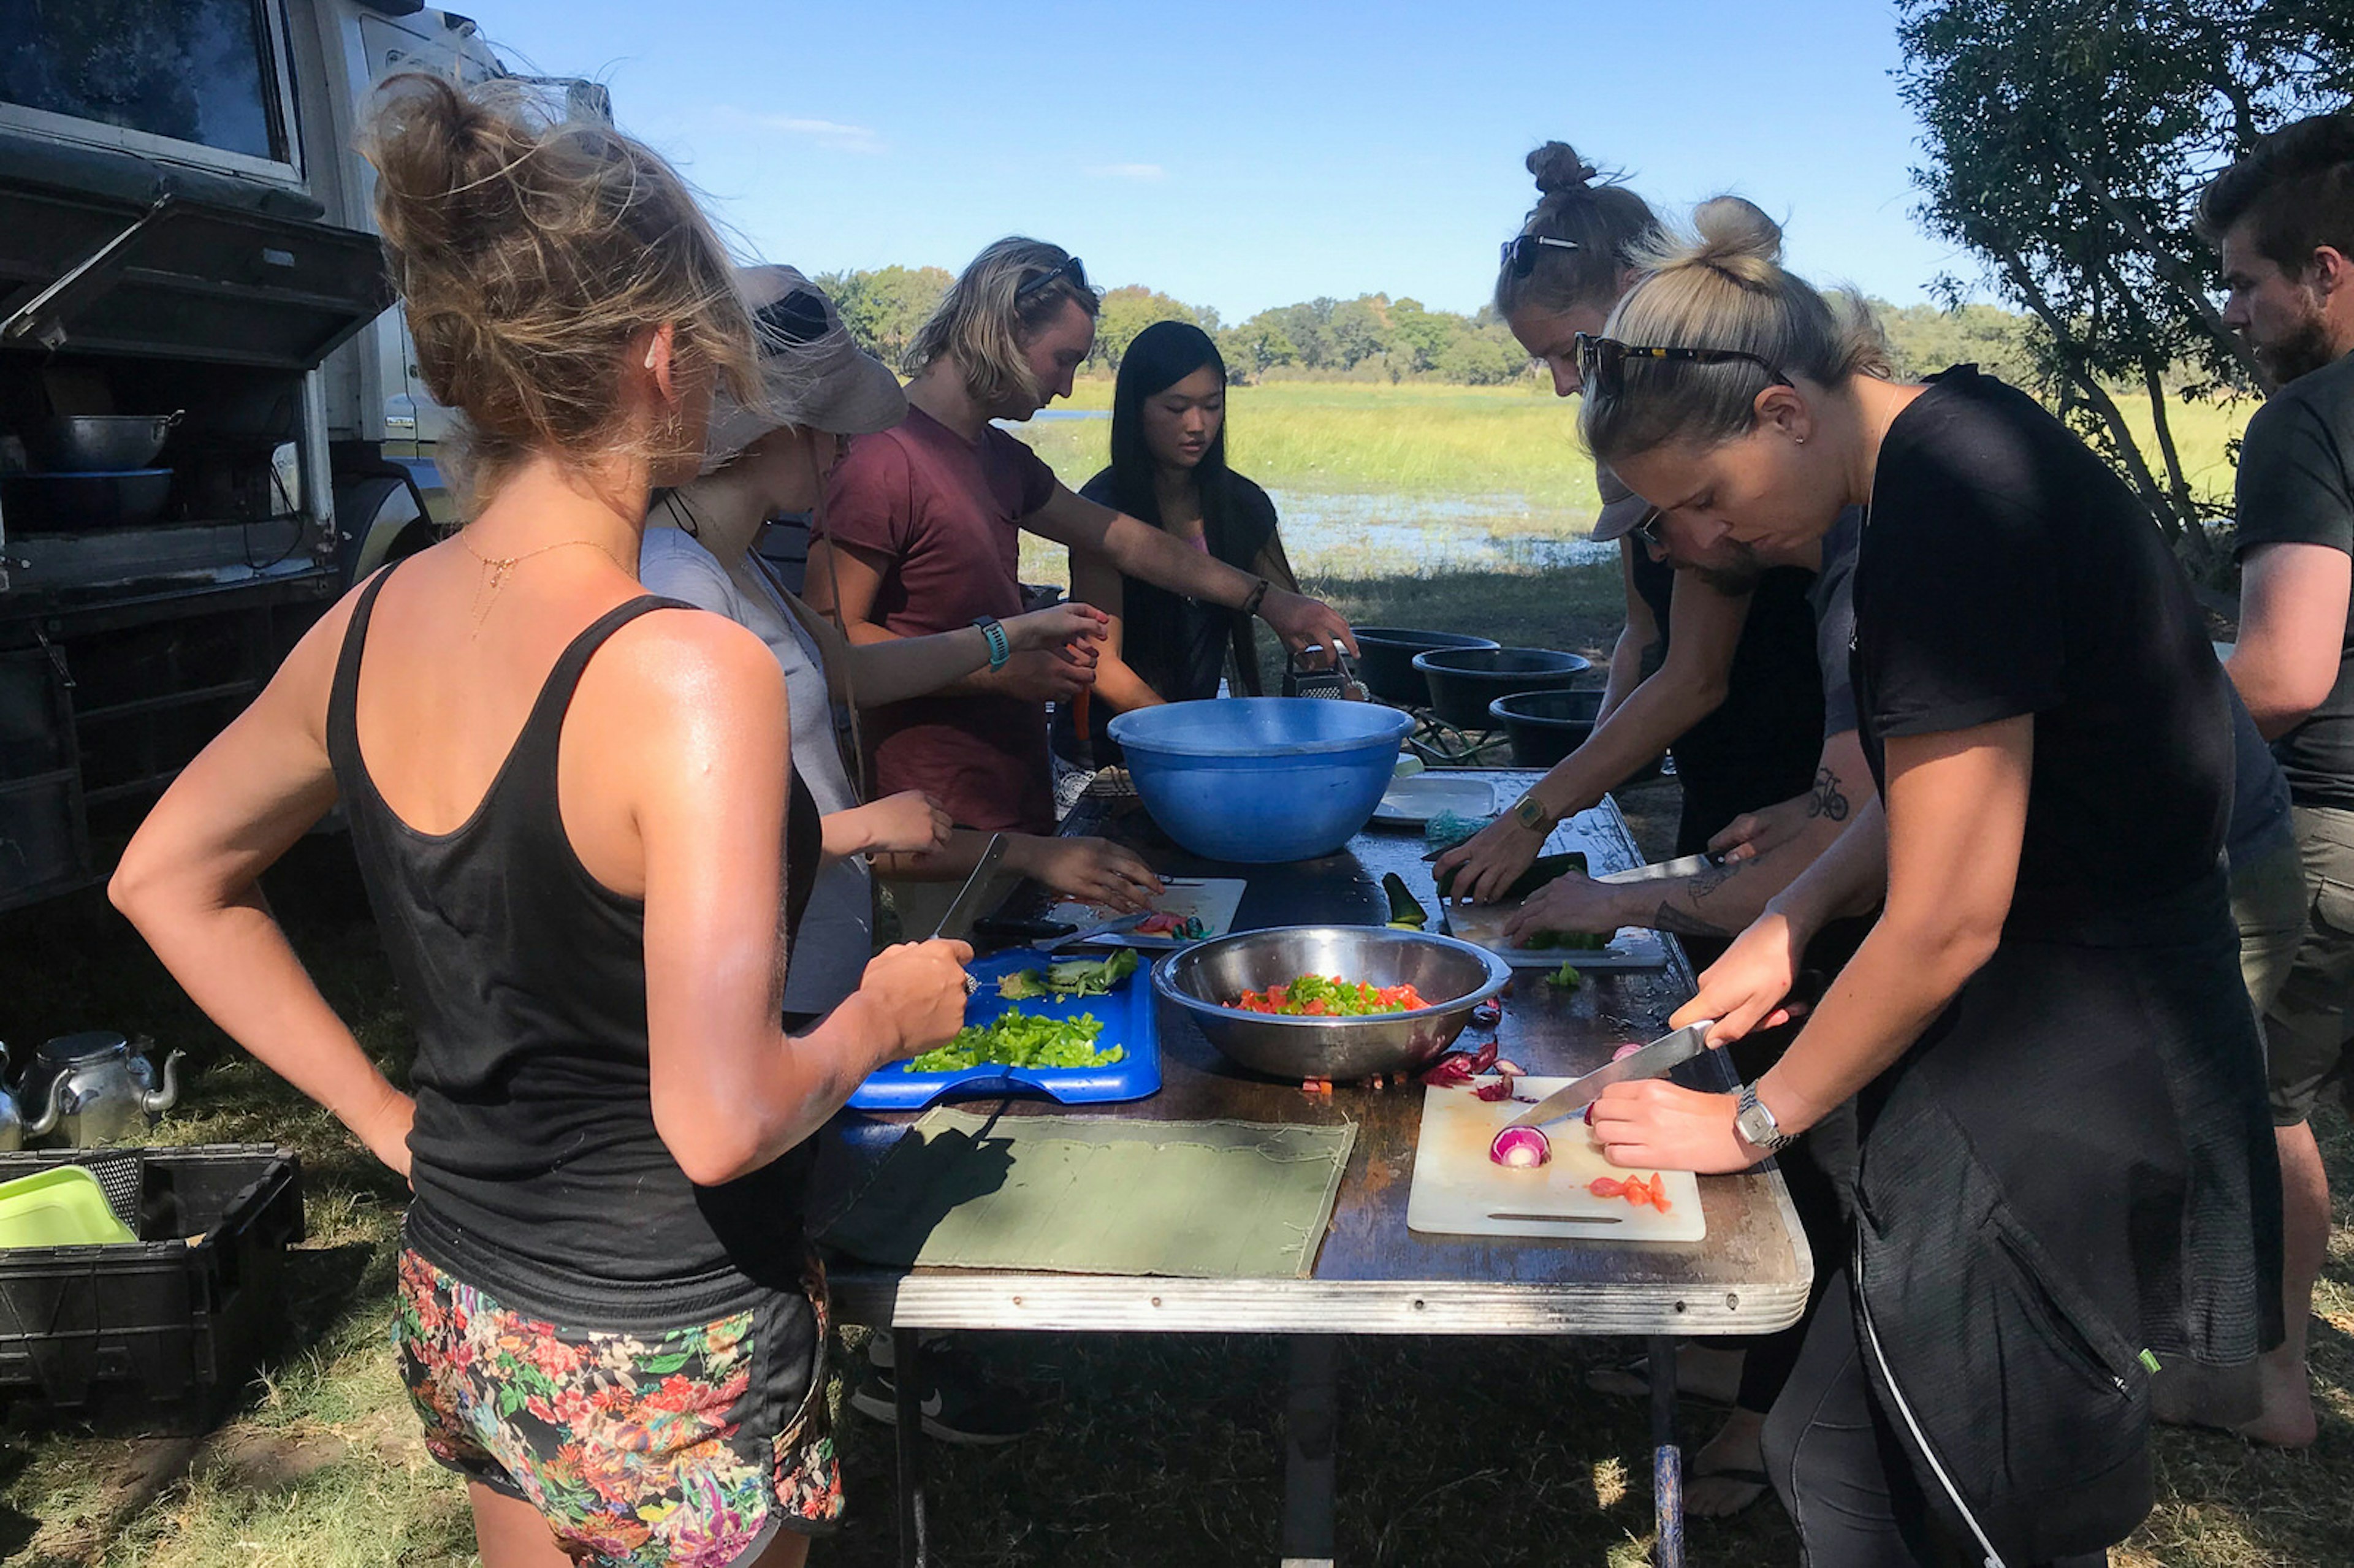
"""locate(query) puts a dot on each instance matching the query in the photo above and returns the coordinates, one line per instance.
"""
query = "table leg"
(1309, 1433)
(907, 1388)
(1667, 1459)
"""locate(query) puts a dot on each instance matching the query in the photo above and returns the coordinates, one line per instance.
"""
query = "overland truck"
(209, 424)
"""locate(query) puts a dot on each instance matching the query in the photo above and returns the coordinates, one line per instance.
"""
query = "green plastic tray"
(59, 1207)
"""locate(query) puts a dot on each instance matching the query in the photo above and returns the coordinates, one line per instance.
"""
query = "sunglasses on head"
(1520, 253)
(1602, 360)
(1071, 269)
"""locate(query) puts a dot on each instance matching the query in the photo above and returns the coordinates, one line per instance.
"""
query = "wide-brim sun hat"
(812, 372)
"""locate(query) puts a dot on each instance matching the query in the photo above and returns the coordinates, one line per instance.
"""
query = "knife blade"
(955, 923)
(1096, 932)
(1652, 1060)
(1690, 865)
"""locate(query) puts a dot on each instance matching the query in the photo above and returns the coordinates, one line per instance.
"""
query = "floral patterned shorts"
(641, 1449)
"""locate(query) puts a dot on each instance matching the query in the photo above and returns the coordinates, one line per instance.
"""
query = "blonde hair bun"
(1559, 169)
(1722, 286)
(1729, 234)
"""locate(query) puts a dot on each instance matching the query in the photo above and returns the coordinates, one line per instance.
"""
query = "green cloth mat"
(1197, 1200)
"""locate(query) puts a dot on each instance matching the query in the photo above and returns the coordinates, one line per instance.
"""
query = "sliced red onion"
(1520, 1148)
(1626, 1051)
(1457, 1068)
(1494, 1090)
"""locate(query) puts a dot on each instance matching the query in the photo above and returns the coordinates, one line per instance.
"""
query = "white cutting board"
(1214, 898)
(1411, 802)
(1458, 1191)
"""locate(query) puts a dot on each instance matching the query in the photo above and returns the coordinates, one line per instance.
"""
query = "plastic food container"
(63, 1206)
(1262, 780)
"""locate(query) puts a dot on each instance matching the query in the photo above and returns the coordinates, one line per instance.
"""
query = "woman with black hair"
(1169, 469)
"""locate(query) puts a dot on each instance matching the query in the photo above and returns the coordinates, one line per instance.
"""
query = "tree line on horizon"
(1374, 337)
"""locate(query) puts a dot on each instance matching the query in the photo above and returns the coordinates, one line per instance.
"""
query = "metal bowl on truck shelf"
(1261, 780)
(1464, 681)
(1385, 661)
(1205, 980)
(96, 1087)
(98, 443)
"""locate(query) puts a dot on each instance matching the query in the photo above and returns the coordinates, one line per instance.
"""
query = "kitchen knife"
(956, 925)
(1690, 865)
(1094, 933)
(1651, 1062)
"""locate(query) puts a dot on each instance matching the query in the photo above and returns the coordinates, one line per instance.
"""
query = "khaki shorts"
(2306, 1025)
(2268, 904)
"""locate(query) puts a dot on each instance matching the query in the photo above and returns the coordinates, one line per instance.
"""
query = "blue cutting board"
(1126, 1014)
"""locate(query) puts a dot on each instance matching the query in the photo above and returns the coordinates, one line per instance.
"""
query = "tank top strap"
(532, 761)
(343, 697)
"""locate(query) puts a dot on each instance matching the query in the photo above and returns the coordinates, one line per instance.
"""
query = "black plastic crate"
(164, 1330)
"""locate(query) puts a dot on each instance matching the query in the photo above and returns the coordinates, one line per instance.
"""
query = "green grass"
(1415, 439)
(1421, 440)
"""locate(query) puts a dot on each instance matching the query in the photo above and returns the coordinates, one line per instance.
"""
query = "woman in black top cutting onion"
(576, 816)
(2066, 1174)
(1169, 468)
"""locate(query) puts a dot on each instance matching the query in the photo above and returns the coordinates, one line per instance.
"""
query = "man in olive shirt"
(2284, 219)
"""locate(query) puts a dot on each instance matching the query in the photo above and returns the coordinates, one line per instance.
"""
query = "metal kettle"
(96, 1087)
(13, 1125)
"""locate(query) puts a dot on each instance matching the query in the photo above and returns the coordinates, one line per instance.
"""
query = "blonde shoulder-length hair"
(983, 322)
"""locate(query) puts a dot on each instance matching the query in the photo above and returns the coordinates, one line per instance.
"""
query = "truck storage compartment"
(164, 1332)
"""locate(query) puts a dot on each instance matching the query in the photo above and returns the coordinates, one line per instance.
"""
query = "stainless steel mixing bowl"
(98, 443)
(1453, 977)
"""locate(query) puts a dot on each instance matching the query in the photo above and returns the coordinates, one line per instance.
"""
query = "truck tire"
(378, 518)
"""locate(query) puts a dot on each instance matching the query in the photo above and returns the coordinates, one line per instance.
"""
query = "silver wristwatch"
(1755, 1123)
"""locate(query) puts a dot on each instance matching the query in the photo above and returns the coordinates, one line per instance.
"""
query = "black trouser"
(1840, 1469)
(1819, 1169)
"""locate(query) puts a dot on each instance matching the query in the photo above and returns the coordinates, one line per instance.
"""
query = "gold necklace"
(502, 566)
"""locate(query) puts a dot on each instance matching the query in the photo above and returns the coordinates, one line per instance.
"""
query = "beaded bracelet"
(1000, 649)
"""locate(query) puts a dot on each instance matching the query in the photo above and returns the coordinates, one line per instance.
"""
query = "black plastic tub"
(1545, 727)
(1386, 662)
(1462, 682)
(165, 1330)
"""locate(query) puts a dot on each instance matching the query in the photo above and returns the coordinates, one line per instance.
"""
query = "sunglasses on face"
(1071, 269)
(1602, 360)
(1648, 530)
(1521, 253)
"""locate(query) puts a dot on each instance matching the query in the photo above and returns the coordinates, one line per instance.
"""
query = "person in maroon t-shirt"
(922, 528)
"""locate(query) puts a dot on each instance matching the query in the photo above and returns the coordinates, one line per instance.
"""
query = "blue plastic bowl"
(1262, 780)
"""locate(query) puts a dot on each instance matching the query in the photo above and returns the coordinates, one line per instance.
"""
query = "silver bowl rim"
(1500, 973)
(1401, 725)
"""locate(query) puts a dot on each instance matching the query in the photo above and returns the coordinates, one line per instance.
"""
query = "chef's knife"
(1667, 870)
(1651, 1062)
(965, 909)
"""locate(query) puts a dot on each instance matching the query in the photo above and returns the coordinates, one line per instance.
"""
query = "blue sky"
(1249, 155)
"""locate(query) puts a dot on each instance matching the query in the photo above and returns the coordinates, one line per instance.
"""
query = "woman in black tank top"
(585, 848)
